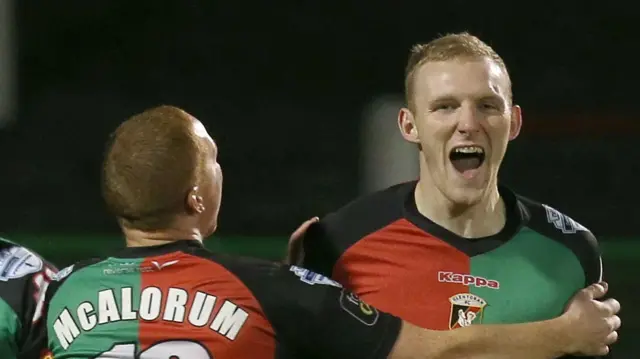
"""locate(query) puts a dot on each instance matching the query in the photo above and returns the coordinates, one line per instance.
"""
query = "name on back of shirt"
(227, 321)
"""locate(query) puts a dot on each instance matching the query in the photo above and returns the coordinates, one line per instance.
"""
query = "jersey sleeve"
(317, 317)
(32, 342)
(591, 259)
(321, 251)
(558, 226)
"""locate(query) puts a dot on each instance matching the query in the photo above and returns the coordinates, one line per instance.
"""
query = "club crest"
(466, 309)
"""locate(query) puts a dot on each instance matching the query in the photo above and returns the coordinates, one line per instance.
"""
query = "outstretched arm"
(587, 328)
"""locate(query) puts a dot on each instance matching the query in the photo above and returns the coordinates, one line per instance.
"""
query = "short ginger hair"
(460, 46)
(151, 163)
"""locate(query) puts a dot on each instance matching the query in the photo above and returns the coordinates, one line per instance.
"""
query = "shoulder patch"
(17, 262)
(312, 278)
(360, 310)
(562, 222)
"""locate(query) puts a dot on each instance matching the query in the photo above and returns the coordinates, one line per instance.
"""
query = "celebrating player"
(24, 278)
(165, 296)
(455, 247)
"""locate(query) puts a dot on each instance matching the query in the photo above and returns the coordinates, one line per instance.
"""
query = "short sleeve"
(320, 251)
(317, 316)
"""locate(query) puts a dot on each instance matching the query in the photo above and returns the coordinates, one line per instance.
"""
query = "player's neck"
(139, 238)
(485, 218)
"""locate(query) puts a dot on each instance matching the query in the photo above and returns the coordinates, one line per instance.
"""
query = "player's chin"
(466, 191)
(465, 195)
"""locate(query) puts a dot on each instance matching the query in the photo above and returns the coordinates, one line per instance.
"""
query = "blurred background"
(302, 99)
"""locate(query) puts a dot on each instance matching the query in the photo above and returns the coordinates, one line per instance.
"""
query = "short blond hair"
(151, 163)
(445, 48)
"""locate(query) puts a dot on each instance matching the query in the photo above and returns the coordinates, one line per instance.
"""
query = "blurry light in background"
(386, 158)
(7, 62)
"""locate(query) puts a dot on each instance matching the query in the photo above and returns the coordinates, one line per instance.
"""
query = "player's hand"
(295, 250)
(591, 324)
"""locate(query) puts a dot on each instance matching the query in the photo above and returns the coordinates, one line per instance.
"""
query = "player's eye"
(444, 107)
(489, 106)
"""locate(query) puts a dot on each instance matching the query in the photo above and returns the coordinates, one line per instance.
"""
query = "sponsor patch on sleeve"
(360, 310)
(312, 278)
(17, 262)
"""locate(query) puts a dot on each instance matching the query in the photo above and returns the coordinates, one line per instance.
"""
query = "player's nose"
(468, 119)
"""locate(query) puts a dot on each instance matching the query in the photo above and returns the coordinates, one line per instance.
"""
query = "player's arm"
(32, 336)
(586, 328)
(312, 313)
(590, 257)
(314, 246)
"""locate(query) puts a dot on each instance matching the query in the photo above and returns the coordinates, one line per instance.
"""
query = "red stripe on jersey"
(396, 270)
(177, 274)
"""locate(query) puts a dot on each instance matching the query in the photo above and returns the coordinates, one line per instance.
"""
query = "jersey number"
(175, 349)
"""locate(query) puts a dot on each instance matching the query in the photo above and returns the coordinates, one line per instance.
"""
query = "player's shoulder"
(22, 273)
(560, 227)
(326, 240)
(369, 213)
(71, 271)
(18, 263)
(244, 268)
(552, 223)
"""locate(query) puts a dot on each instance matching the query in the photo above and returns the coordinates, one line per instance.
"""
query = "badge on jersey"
(466, 309)
(312, 278)
(17, 262)
(360, 310)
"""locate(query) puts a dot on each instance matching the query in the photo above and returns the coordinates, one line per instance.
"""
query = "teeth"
(469, 149)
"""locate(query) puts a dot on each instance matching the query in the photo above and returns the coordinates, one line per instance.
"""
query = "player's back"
(170, 301)
(181, 301)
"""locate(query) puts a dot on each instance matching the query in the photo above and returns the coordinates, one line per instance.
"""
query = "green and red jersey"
(385, 251)
(181, 301)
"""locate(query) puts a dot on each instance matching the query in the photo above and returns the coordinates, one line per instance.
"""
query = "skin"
(594, 322)
(202, 204)
(460, 103)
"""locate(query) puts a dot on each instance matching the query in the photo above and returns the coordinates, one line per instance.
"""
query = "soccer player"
(165, 296)
(455, 247)
(24, 277)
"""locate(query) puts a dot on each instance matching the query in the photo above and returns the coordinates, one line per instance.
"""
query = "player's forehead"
(461, 78)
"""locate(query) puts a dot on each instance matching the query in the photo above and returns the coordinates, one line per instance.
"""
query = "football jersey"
(394, 258)
(24, 277)
(181, 301)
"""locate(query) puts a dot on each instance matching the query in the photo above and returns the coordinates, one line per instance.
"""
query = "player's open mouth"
(465, 159)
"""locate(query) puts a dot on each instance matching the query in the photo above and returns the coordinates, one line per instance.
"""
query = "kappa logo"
(468, 280)
(562, 222)
(17, 262)
(466, 309)
(159, 266)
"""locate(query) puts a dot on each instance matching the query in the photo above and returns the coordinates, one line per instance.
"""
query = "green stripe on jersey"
(536, 275)
(75, 329)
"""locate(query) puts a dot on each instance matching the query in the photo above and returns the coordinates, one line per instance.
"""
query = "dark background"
(282, 89)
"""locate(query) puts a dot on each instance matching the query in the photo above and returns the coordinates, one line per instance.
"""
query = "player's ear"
(406, 123)
(516, 122)
(195, 203)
